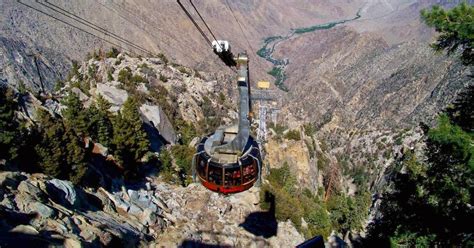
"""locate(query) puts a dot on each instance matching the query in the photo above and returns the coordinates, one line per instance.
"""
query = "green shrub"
(183, 156)
(146, 70)
(163, 58)
(186, 130)
(84, 86)
(183, 70)
(380, 145)
(309, 129)
(387, 154)
(124, 75)
(97, 55)
(323, 145)
(318, 221)
(180, 89)
(138, 79)
(360, 176)
(118, 61)
(91, 71)
(293, 135)
(209, 124)
(286, 206)
(323, 161)
(399, 140)
(293, 203)
(74, 72)
(166, 165)
(59, 85)
(207, 107)
(168, 103)
(198, 75)
(282, 177)
(113, 53)
(349, 213)
(311, 149)
(130, 81)
(163, 78)
(221, 99)
(278, 128)
(110, 77)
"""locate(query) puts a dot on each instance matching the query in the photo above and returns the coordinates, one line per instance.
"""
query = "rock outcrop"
(156, 118)
(207, 218)
(156, 216)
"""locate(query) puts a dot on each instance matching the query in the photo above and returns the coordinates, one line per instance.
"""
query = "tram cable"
(240, 26)
(200, 30)
(202, 19)
(74, 26)
(244, 34)
(143, 19)
(194, 22)
(144, 23)
(148, 22)
(95, 27)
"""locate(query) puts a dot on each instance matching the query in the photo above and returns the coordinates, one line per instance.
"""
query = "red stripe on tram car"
(227, 189)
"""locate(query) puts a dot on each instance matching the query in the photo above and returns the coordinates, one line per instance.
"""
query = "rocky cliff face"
(61, 31)
(206, 218)
(296, 154)
(385, 86)
(352, 93)
(365, 103)
(36, 208)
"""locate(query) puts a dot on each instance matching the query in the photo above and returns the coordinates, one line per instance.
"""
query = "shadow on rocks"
(262, 223)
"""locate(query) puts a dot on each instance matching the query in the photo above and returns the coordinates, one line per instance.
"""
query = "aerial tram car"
(228, 160)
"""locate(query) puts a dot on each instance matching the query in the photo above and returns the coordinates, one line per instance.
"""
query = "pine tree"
(431, 203)
(130, 141)
(50, 150)
(99, 122)
(103, 104)
(60, 151)
(75, 156)
(75, 115)
(120, 139)
(131, 114)
(93, 117)
(462, 109)
(104, 130)
(449, 182)
(456, 29)
(9, 132)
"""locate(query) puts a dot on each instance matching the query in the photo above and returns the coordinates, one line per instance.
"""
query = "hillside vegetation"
(429, 202)
(60, 142)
